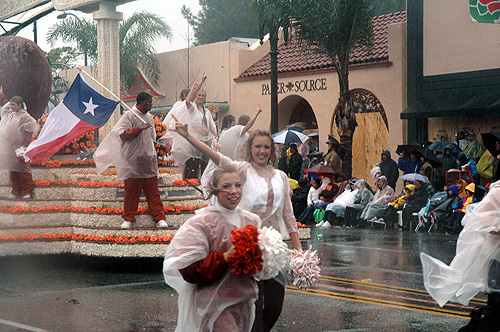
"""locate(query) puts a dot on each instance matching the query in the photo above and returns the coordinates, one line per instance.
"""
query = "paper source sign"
(485, 11)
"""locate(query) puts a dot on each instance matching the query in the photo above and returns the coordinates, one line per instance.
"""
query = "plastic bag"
(318, 215)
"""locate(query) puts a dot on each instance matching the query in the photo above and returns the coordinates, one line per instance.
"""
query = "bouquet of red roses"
(247, 259)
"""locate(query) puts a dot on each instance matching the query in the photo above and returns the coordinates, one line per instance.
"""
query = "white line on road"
(22, 326)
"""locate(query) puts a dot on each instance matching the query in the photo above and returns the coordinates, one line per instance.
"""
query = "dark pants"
(454, 225)
(268, 306)
(133, 189)
(22, 183)
(407, 215)
(351, 217)
(390, 216)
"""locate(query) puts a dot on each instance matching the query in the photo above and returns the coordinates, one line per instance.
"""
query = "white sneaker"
(126, 224)
(27, 196)
(12, 196)
(326, 225)
(321, 223)
(162, 224)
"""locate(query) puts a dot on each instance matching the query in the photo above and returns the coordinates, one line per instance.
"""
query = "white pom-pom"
(304, 268)
(275, 253)
(20, 151)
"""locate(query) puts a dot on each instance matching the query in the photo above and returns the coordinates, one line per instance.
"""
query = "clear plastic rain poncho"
(232, 145)
(200, 124)
(14, 126)
(225, 306)
(136, 158)
(477, 245)
(342, 201)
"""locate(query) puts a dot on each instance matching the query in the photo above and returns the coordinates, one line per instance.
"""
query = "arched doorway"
(371, 136)
(294, 109)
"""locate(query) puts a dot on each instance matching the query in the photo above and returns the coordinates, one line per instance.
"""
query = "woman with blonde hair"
(265, 193)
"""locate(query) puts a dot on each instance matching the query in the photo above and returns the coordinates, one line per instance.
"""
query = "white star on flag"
(90, 107)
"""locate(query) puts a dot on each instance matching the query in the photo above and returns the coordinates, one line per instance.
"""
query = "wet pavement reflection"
(371, 281)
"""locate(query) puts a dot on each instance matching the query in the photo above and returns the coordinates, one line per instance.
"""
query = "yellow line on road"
(392, 304)
(389, 287)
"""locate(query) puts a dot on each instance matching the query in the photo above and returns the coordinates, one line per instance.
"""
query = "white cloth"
(135, 158)
(232, 143)
(227, 305)
(266, 193)
(476, 247)
(14, 126)
(313, 196)
(200, 124)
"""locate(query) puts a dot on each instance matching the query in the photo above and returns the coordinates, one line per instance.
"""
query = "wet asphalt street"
(371, 281)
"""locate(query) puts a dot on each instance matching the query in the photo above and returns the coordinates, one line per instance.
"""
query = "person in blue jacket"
(410, 165)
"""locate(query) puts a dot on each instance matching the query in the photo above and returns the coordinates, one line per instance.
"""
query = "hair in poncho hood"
(387, 153)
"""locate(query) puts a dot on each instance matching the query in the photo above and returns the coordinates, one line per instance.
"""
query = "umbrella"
(315, 154)
(415, 177)
(489, 140)
(407, 149)
(324, 170)
(295, 128)
(441, 145)
(289, 136)
(429, 156)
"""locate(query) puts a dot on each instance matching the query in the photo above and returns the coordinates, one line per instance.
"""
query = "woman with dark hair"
(265, 193)
(227, 122)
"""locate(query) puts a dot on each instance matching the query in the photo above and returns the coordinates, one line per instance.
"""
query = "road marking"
(21, 326)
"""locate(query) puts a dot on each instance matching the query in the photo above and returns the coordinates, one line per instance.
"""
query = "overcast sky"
(169, 10)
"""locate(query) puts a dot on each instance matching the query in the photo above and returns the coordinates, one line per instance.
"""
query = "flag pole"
(112, 94)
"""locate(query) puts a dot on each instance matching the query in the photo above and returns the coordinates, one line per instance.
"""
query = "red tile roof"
(292, 58)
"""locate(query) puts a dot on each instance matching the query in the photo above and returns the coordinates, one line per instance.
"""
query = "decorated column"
(108, 55)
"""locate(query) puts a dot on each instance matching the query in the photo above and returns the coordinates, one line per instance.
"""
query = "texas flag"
(82, 110)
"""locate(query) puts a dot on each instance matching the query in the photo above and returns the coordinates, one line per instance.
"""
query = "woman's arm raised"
(251, 122)
(182, 129)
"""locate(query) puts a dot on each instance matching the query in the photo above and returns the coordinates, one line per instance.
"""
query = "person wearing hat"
(472, 148)
(454, 225)
(448, 161)
(334, 155)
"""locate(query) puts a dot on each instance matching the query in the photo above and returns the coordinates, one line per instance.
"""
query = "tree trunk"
(346, 141)
(273, 52)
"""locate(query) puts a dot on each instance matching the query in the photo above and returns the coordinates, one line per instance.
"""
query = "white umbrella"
(289, 136)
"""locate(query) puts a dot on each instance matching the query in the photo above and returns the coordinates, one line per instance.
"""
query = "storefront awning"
(454, 103)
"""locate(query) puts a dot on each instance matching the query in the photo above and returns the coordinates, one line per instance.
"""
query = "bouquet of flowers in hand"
(259, 254)
(304, 268)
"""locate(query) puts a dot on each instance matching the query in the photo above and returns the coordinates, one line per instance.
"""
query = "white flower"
(275, 253)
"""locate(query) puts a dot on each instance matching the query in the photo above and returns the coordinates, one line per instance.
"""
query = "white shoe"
(126, 224)
(321, 223)
(12, 196)
(27, 196)
(326, 225)
(162, 224)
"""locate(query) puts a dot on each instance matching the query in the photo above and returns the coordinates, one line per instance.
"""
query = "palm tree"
(137, 35)
(270, 16)
(334, 28)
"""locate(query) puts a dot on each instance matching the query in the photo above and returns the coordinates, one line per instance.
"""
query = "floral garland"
(92, 209)
(76, 145)
(81, 183)
(301, 225)
(87, 238)
(195, 182)
(160, 128)
(82, 163)
(161, 171)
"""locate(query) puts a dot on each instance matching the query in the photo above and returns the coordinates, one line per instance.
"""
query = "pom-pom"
(247, 258)
(20, 151)
(275, 253)
(304, 268)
